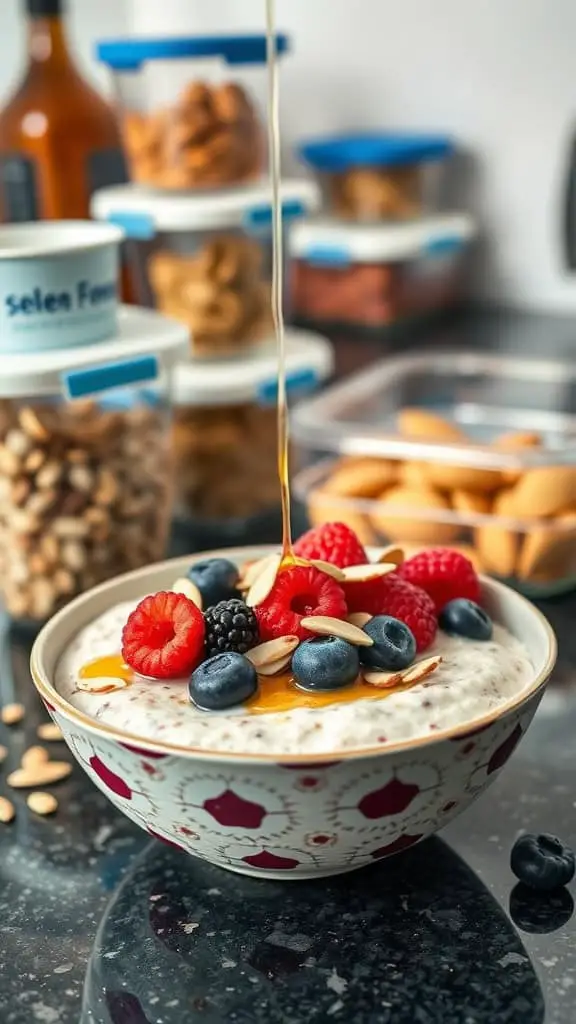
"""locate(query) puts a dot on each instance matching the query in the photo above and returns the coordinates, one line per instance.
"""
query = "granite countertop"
(102, 926)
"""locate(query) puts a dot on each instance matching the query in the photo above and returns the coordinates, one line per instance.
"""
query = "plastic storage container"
(206, 258)
(377, 275)
(469, 450)
(381, 176)
(189, 107)
(86, 474)
(225, 437)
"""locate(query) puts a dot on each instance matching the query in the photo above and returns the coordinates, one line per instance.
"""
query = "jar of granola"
(86, 475)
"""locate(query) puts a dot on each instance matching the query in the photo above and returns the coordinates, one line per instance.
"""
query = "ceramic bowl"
(290, 816)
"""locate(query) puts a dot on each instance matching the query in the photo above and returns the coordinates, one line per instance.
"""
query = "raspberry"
(164, 636)
(230, 626)
(412, 605)
(333, 542)
(444, 575)
(297, 592)
(366, 597)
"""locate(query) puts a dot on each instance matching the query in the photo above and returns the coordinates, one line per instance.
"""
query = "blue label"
(297, 382)
(259, 218)
(95, 379)
(83, 295)
(443, 246)
(138, 226)
(327, 255)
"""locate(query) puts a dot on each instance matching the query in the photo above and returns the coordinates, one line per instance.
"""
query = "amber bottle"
(59, 139)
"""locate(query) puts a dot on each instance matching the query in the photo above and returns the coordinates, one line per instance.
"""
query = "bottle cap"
(45, 8)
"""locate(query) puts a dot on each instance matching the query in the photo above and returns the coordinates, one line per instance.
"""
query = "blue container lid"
(130, 54)
(386, 149)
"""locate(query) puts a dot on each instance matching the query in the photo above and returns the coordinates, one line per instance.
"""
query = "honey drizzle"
(278, 278)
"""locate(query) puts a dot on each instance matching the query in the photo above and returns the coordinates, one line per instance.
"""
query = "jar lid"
(254, 377)
(380, 149)
(334, 243)
(145, 345)
(143, 212)
(129, 54)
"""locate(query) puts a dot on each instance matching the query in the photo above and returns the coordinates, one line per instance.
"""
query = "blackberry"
(230, 626)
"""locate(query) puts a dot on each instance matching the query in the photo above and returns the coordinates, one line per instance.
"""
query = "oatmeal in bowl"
(300, 717)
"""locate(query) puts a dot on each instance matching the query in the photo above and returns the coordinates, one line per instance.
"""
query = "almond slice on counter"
(49, 732)
(12, 714)
(359, 619)
(264, 582)
(7, 812)
(42, 803)
(328, 568)
(101, 684)
(187, 587)
(393, 555)
(420, 669)
(364, 573)
(272, 651)
(326, 625)
(34, 756)
(39, 775)
(382, 680)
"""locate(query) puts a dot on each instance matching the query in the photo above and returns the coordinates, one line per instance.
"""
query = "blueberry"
(394, 644)
(223, 682)
(542, 862)
(216, 579)
(465, 618)
(325, 663)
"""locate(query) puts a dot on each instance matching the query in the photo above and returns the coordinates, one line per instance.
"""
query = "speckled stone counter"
(100, 926)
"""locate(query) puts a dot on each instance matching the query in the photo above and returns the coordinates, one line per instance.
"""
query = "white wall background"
(498, 74)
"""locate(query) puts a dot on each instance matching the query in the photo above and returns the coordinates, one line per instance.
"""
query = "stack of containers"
(86, 475)
(198, 220)
(382, 256)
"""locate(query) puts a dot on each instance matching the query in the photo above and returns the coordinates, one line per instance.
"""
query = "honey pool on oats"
(306, 656)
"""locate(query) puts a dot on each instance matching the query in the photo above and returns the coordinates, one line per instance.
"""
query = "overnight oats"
(323, 652)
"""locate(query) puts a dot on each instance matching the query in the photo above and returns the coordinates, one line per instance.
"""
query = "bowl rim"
(52, 698)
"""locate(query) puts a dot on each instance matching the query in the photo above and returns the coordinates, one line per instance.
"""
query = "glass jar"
(205, 259)
(378, 275)
(378, 177)
(86, 474)
(190, 108)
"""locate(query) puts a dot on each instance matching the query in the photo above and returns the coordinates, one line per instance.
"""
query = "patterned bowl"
(291, 816)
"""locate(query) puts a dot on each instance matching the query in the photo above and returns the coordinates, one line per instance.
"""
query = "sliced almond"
(392, 554)
(49, 732)
(325, 625)
(264, 582)
(364, 573)
(101, 684)
(40, 775)
(328, 568)
(382, 680)
(189, 589)
(359, 619)
(253, 570)
(420, 669)
(275, 667)
(7, 812)
(272, 651)
(12, 714)
(34, 756)
(42, 803)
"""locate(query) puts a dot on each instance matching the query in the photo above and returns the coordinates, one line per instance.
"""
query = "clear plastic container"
(378, 275)
(225, 438)
(190, 108)
(461, 449)
(381, 176)
(86, 474)
(206, 258)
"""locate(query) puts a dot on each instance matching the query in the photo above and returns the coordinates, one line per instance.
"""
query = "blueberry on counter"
(466, 618)
(223, 681)
(542, 862)
(394, 644)
(325, 663)
(216, 579)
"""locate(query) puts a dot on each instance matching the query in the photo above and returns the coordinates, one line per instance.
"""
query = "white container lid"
(332, 242)
(54, 238)
(146, 344)
(254, 377)
(143, 212)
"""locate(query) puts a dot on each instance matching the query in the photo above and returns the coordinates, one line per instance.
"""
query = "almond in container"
(323, 507)
(497, 546)
(428, 426)
(549, 554)
(544, 491)
(517, 441)
(392, 516)
(362, 477)
(470, 502)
